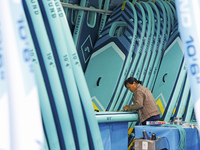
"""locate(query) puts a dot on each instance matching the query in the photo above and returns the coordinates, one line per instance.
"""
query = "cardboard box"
(143, 144)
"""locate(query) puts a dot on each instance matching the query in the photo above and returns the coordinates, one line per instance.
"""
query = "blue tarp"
(114, 135)
(172, 135)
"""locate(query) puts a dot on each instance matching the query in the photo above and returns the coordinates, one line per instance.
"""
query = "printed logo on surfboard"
(86, 48)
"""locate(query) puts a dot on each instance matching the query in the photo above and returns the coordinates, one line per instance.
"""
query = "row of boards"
(128, 35)
(132, 43)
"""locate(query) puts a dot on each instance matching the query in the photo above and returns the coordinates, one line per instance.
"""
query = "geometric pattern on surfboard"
(86, 31)
(168, 72)
(172, 101)
(160, 52)
(173, 12)
(151, 74)
(142, 44)
(71, 14)
(155, 37)
(161, 39)
(173, 36)
(137, 50)
(180, 106)
(110, 54)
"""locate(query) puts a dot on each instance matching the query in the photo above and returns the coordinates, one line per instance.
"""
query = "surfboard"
(87, 21)
(4, 101)
(71, 14)
(108, 5)
(114, 4)
(156, 36)
(174, 13)
(93, 132)
(44, 94)
(188, 109)
(161, 50)
(72, 100)
(175, 33)
(158, 49)
(26, 129)
(111, 52)
(167, 74)
(103, 17)
(170, 16)
(174, 97)
(183, 100)
(143, 48)
(47, 62)
(138, 48)
(155, 51)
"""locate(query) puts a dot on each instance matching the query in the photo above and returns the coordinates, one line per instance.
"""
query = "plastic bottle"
(153, 136)
(145, 136)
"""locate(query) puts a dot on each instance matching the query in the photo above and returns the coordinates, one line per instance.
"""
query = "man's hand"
(126, 107)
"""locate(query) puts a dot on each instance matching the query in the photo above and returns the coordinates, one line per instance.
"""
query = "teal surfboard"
(151, 56)
(156, 37)
(111, 52)
(86, 31)
(162, 47)
(143, 48)
(47, 62)
(71, 14)
(189, 110)
(158, 49)
(180, 110)
(167, 74)
(43, 89)
(138, 51)
(103, 17)
(94, 137)
(72, 100)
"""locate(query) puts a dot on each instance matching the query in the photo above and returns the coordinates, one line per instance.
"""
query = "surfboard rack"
(106, 12)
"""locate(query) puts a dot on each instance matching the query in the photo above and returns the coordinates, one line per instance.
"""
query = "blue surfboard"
(65, 71)
(156, 37)
(189, 109)
(71, 14)
(138, 51)
(147, 69)
(167, 74)
(159, 47)
(43, 89)
(93, 132)
(183, 99)
(111, 52)
(162, 46)
(143, 47)
(86, 31)
(52, 81)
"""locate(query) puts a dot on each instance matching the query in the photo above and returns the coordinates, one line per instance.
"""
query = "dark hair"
(131, 80)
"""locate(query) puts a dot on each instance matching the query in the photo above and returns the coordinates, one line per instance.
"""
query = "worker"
(143, 101)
